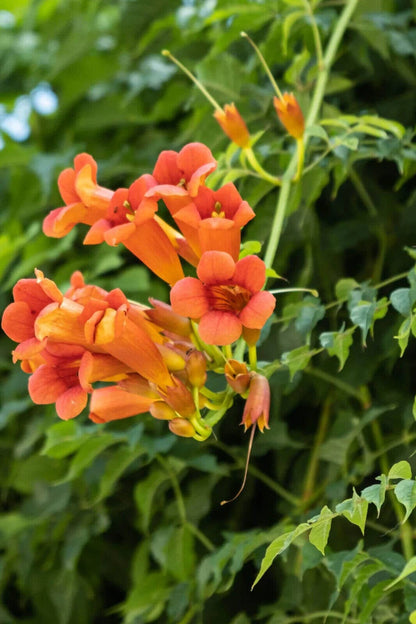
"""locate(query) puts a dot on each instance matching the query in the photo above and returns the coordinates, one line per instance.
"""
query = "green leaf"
(290, 19)
(377, 593)
(363, 316)
(118, 463)
(86, 454)
(394, 127)
(403, 300)
(344, 287)
(62, 439)
(278, 546)
(409, 568)
(310, 313)
(400, 470)
(414, 408)
(376, 493)
(404, 335)
(144, 494)
(338, 344)
(320, 530)
(355, 510)
(297, 359)
(405, 492)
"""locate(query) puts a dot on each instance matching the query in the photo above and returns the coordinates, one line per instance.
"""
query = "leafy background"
(123, 523)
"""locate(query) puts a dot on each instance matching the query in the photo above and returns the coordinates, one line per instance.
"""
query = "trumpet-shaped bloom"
(85, 200)
(212, 221)
(226, 297)
(233, 125)
(130, 220)
(69, 341)
(290, 114)
(179, 175)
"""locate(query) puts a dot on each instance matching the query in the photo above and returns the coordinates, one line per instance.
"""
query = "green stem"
(199, 535)
(310, 479)
(252, 357)
(316, 103)
(177, 490)
(300, 143)
(259, 169)
(316, 35)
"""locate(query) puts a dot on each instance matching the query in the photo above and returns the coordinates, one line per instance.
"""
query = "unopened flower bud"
(258, 403)
(290, 114)
(196, 368)
(173, 360)
(182, 427)
(163, 315)
(237, 376)
(162, 411)
(233, 125)
(180, 399)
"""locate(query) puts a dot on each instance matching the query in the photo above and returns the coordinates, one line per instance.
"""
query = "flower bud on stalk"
(196, 368)
(182, 427)
(290, 114)
(258, 403)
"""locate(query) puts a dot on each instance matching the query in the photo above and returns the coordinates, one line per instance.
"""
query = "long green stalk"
(317, 98)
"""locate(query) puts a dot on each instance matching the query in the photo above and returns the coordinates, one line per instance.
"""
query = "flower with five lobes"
(85, 200)
(226, 297)
(290, 114)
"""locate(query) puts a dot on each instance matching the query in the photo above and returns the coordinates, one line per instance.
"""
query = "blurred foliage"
(122, 523)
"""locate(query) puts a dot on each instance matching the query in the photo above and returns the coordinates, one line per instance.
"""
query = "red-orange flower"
(226, 297)
(233, 125)
(290, 114)
(212, 221)
(86, 202)
(257, 405)
(130, 219)
(179, 175)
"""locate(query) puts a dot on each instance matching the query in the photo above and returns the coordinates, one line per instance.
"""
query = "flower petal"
(219, 328)
(250, 273)
(71, 403)
(215, 267)
(188, 298)
(114, 403)
(258, 310)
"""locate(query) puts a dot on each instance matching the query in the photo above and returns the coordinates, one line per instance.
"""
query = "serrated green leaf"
(320, 530)
(355, 510)
(338, 344)
(297, 359)
(278, 546)
(376, 493)
(405, 492)
(363, 316)
(400, 470)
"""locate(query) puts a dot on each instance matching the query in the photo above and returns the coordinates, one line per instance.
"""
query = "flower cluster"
(149, 358)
